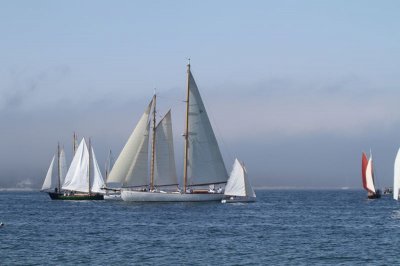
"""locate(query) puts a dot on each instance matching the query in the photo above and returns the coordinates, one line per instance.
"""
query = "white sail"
(77, 176)
(49, 181)
(122, 172)
(63, 166)
(370, 176)
(238, 183)
(96, 179)
(396, 180)
(205, 163)
(138, 174)
(164, 163)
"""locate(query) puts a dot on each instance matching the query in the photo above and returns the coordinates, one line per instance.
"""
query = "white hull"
(235, 200)
(112, 197)
(139, 196)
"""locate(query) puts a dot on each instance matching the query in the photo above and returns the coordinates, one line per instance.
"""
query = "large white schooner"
(203, 163)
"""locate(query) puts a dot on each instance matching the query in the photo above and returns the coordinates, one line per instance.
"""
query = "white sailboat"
(83, 180)
(396, 179)
(238, 188)
(56, 172)
(368, 177)
(203, 163)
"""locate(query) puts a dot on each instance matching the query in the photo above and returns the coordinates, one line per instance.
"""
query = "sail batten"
(204, 160)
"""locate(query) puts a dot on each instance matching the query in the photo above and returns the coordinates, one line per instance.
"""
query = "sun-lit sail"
(205, 163)
(164, 170)
(238, 183)
(130, 168)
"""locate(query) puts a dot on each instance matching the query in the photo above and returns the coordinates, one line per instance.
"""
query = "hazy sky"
(295, 89)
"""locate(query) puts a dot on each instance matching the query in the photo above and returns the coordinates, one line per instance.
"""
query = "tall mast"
(108, 164)
(74, 143)
(186, 131)
(153, 148)
(58, 167)
(90, 158)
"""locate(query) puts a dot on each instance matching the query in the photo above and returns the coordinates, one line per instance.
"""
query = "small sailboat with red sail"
(368, 177)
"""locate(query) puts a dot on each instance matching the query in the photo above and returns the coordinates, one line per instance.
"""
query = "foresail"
(164, 164)
(370, 177)
(77, 175)
(249, 189)
(205, 163)
(236, 183)
(138, 174)
(49, 183)
(123, 166)
(96, 178)
(396, 179)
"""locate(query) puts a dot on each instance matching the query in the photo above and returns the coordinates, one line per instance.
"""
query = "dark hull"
(58, 196)
(376, 195)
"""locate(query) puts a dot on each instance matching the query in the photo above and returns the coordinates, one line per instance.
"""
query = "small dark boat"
(78, 196)
(368, 177)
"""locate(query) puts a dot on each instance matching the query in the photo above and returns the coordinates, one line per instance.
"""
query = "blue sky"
(296, 89)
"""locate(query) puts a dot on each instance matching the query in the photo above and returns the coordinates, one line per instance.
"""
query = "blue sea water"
(284, 227)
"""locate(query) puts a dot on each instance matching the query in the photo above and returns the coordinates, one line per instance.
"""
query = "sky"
(295, 89)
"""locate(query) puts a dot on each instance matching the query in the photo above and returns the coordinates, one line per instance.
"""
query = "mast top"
(188, 65)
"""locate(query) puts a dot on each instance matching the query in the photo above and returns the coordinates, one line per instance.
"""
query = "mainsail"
(84, 169)
(204, 160)
(77, 175)
(370, 176)
(238, 184)
(396, 180)
(364, 163)
(130, 168)
(164, 170)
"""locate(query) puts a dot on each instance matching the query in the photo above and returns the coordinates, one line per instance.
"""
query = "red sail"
(364, 163)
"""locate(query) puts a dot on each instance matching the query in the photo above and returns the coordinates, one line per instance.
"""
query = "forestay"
(164, 163)
(205, 163)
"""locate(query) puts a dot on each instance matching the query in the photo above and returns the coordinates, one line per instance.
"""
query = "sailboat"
(83, 180)
(396, 179)
(368, 177)
(55, 174)
(203, 163)
(238, 188)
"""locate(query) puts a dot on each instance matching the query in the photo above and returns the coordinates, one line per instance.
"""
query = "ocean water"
(284, 227)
